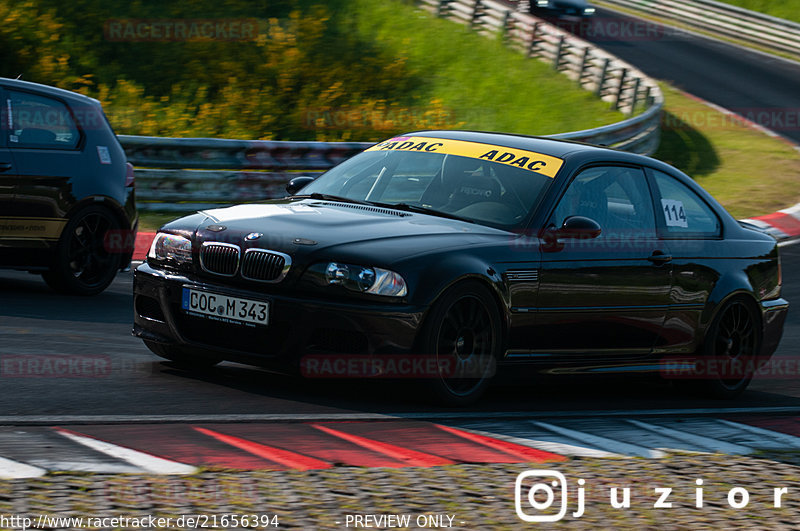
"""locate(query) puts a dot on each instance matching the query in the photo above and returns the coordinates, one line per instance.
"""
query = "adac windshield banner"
(519, 158)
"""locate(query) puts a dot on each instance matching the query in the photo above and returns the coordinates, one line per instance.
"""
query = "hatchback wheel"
(83, 263)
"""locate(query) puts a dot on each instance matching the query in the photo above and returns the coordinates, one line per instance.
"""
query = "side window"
(616, 197)
(683, 213)
(39, 122)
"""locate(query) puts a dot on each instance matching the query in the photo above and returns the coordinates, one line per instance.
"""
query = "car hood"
(315, 229)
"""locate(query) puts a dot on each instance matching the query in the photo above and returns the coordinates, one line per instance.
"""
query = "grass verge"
(486, 85)
(747, 171)
(787, 9)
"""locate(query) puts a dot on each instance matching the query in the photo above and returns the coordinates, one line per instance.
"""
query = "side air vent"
(522, 275)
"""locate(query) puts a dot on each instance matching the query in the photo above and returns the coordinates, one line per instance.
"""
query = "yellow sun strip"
(39, 228)
(519, 158)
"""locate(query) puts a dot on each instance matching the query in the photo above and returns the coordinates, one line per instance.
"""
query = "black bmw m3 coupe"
(446, 257)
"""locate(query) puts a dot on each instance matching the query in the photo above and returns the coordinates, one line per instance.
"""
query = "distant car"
(562, 8)
(67, 207)
(470, 251)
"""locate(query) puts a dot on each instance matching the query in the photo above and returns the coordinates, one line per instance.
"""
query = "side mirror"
(297, 184)
(579, 227)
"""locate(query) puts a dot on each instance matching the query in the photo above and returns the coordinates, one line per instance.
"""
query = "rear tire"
(83, 265)
(463, 334)
(732, 344)
(180, 356)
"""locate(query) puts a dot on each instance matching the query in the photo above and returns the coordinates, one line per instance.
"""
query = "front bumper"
(773, 317)
(297, 326)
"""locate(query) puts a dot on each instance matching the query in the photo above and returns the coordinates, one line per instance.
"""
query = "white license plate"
(224, 308)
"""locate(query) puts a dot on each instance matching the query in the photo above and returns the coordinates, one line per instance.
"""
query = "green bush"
(335, 70)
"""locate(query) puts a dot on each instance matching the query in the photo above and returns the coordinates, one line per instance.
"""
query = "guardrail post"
(620, 88)
(635, 96)
(602, 79)
(532, 45)
(475, 14)
(584, 61)
(506, 23)
(648, 97)
(444, 7)
(559, 52)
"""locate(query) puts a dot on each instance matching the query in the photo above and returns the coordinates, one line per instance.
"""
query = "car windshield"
(476, 189)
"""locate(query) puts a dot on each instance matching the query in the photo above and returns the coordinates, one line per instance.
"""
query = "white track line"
(14, 470)
(145, 462)
(549, 446)
(597, 441)
(784, 438)
(714, 445)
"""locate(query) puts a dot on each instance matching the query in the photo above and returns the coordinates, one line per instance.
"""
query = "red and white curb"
(170, 449)
(783, 224)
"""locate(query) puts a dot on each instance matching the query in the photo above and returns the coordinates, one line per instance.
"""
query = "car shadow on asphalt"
(543, 394)
(26, 295)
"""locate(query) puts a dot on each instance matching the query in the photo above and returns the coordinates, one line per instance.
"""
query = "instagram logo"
(542, 491)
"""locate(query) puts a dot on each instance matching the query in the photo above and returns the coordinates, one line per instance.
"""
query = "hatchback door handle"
(659, 257)
(4, 166)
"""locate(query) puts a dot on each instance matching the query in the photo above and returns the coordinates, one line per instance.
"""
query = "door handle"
(658, 257)
(4, 166)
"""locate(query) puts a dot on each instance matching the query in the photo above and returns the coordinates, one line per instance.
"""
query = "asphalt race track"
(117, 375)
(750, 83)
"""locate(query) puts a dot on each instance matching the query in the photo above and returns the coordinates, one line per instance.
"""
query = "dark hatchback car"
(443, 256)
(575, 9)
(67, 207)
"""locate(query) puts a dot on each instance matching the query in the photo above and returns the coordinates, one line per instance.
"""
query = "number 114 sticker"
(674, 214)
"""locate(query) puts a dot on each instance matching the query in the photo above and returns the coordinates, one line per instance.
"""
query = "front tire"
(463, 334)
(83, 264)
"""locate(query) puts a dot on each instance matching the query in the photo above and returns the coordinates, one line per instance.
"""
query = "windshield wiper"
(329, 197)
(419, 210)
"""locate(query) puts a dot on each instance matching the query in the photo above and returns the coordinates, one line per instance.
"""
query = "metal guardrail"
(185, 174)
(725, 20)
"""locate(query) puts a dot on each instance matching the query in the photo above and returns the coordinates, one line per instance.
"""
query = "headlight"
(372, 280)
(542, 3)
(589, 10)
(170, 248)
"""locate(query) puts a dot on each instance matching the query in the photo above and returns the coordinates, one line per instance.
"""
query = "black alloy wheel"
(463, 335)
(85, 262)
